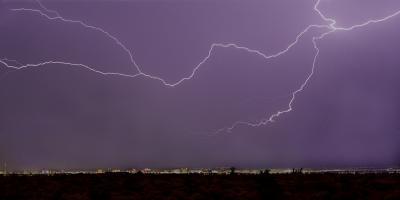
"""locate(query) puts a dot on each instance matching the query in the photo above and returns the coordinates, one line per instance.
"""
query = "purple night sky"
(64, 116)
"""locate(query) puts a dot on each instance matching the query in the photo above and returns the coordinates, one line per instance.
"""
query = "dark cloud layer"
(58, 116)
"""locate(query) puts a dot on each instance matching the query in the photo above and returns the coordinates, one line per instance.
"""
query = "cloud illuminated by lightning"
(330, 28)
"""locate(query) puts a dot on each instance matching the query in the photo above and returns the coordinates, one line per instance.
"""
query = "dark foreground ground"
(207, 187)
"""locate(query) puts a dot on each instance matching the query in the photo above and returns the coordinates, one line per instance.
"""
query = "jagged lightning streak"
(331, 25)
(293, 96)
(6, 61)
(48, 10)
(130, 54)
(11, 60)
(332, 28)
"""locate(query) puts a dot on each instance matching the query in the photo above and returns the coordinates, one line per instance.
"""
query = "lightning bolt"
(330, 27)
(48, 10)
(130, 54)
(11, 60)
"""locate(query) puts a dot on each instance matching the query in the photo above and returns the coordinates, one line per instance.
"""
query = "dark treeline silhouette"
(196, 186)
